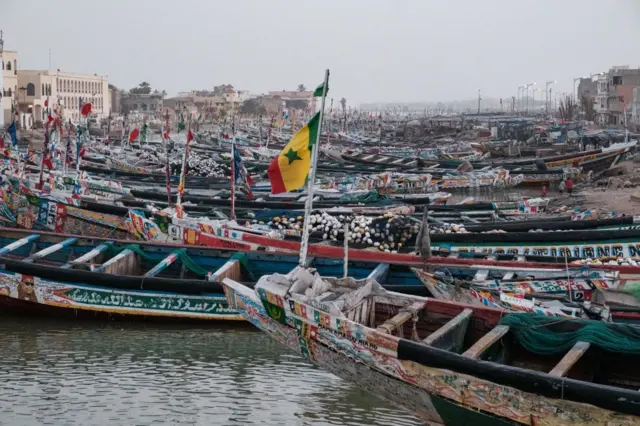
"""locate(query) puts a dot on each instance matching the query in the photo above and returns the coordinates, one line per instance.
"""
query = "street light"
(520, 98)
(527, 99)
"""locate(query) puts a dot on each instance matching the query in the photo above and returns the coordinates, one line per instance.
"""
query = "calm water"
(66, 373)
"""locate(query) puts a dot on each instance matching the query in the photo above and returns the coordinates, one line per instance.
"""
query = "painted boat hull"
(441, 390)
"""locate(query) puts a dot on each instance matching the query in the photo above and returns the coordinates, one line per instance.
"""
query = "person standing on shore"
(569, 185)
(544, 190)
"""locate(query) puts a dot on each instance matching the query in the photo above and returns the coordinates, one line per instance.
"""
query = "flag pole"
(312, 176)
(233, 170)
(167, 170)
(183, 174)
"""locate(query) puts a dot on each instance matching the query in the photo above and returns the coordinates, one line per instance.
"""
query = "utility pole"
(479, 99)
(547, 95)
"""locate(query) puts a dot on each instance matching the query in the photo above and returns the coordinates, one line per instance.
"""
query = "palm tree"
(302, 88)
(343, 102)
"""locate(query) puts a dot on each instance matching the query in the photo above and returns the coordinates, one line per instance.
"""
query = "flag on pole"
(288, 171)
(145, 129)
(86, 109)
(134, 135)
(240, 175)
(189, 136)
(319, 90)
(12, 133)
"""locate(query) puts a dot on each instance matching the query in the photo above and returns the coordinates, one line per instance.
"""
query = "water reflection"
(123, 374)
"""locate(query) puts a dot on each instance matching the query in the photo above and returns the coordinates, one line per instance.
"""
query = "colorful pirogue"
(448, 362)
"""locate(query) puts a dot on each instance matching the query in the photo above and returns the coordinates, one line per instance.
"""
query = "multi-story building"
(601, 101)
(622, 80)
(8, 84)
(146, 104)
(587, 87)
(635, 106)
(65, 91)
(292, 95)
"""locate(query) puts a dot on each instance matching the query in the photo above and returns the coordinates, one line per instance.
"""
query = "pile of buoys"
(389, 232)
(448, 228)
(200, 165)
(619, 261)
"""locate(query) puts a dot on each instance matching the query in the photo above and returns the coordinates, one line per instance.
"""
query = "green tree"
(143, 88)
(252, 107)
(343, 102)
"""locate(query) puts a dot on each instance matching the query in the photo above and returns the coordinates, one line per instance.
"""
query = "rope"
(533, 332)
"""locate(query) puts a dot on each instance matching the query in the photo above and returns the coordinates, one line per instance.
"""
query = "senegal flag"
(288, 171)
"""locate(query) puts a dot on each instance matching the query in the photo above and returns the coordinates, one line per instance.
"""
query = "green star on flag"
(292, 155)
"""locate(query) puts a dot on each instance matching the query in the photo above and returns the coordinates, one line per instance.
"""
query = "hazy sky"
(377, 50)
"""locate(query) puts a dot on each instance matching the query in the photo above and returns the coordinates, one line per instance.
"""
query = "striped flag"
(240, 175)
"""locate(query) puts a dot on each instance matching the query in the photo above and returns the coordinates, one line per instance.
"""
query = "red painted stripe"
(275, 176)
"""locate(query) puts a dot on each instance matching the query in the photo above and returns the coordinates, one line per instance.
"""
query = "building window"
(44, 92)
(617, 80)
(9, 92)
(8, 65)
(15, 67)
(49, 89)
(31, 89)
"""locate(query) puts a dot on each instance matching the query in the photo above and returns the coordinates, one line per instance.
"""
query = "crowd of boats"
(423, 311)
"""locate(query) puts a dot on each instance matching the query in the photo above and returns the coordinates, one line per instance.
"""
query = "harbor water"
(69, 373)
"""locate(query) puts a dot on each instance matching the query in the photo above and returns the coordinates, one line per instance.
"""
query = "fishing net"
(633, 290)
(367, 197)
(532, 331)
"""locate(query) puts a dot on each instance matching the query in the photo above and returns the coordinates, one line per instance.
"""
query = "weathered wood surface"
(570, 358)
(450, 336)
(231, 269)
(124, 263)
(403, 316)
(486, 341)
(49, 250)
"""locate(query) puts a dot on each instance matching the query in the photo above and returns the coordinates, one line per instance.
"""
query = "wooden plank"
(49, 250)
(19, 243)
(570, 358)
(450, 336)
(163, 264)
(400, 318)
(121, 264)
(509, 275)
(486, 341)
(232, 269)
(87, 257)
(481, 275)
(380, 273)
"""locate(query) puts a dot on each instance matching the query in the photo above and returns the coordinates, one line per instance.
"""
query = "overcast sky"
(377, 50)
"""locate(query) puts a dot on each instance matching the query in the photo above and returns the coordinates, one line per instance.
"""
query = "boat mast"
(233, 169)
(167, 170)
(312, 176)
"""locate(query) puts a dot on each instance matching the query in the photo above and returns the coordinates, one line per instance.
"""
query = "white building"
(635, 106)
(65, 91)
(600, 105)
(8, 84)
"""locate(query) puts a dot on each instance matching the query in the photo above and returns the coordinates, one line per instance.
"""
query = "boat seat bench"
(400, 318)
(569, 359)
(450, 336)
(486, 342)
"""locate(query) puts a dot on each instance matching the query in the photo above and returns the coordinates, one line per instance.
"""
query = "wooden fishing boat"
(66, 275)
(451, 363)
